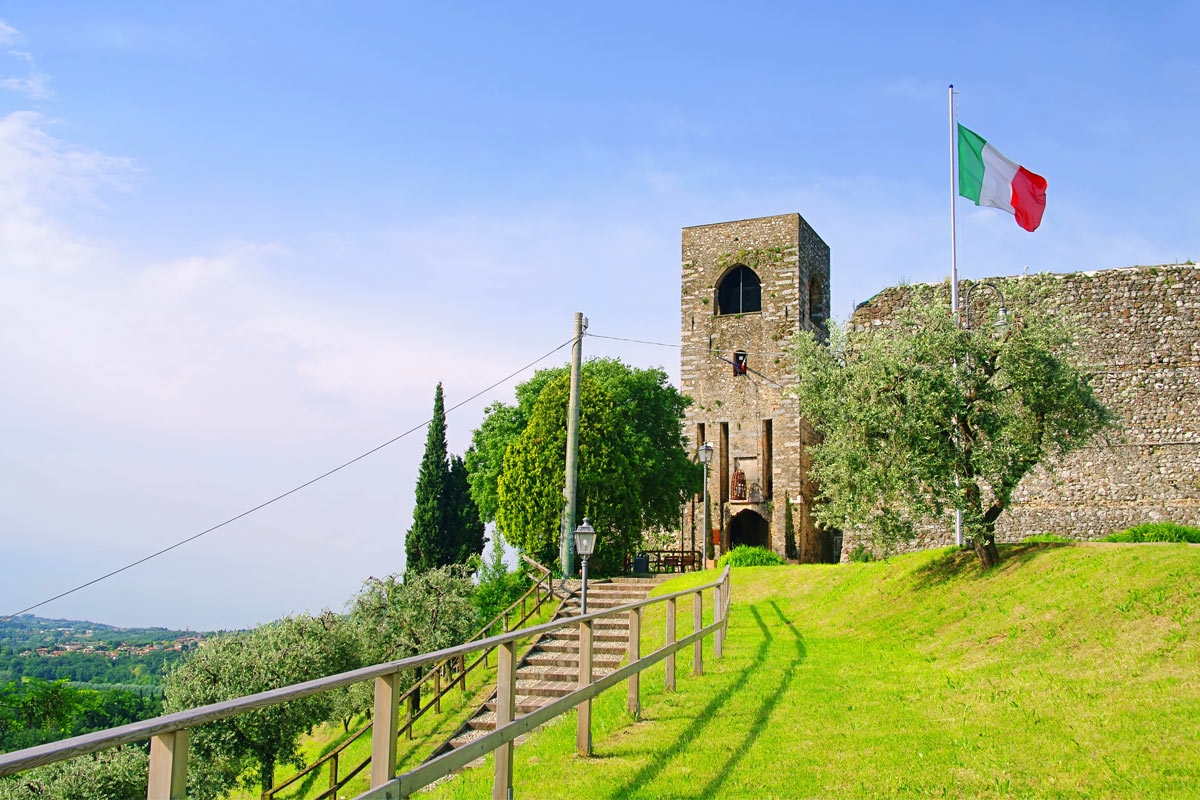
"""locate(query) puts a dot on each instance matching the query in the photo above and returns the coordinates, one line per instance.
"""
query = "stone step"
(550, 674)
(546, 688)
(629, 592)
(562, 674)
(467, 737)
(483, 722)
(572, 646)
(525, 703)
(620, 623)
(539, 659)
(598, 635)
(600, 601)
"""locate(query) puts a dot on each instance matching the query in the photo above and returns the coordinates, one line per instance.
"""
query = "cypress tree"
(423, 545)
(464, 528)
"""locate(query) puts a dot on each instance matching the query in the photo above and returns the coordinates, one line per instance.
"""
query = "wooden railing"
(670, 560)
(453, 671)
(169, 734)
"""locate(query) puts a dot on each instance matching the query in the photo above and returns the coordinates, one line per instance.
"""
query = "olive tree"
(396, 618)
(290, 650)
(921, 416)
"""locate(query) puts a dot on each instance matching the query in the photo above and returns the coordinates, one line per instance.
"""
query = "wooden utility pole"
(566, 545)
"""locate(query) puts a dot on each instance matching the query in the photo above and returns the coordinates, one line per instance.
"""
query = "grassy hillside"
(1068, 672)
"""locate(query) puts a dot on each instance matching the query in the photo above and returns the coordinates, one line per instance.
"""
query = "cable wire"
(635, 341)
(665, 344)
(277, 498)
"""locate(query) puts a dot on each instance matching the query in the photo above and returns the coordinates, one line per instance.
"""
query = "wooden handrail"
(407, 726)
(165, 758)
(404, 785)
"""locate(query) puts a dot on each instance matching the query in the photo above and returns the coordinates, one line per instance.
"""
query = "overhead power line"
(676, 346)
(279, 497)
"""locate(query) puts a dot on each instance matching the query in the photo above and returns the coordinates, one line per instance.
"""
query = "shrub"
(1054, 538)
(116, 774)
(1156, 532)
(746, 556)
(861, 554)
(498, 588)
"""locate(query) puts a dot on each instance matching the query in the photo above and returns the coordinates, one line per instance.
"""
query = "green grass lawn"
(1067, 672)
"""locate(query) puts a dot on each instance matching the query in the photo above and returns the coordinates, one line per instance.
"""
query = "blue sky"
(240, 243)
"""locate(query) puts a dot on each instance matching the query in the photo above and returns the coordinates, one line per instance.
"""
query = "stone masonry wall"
(1143, 347)
(792, 263)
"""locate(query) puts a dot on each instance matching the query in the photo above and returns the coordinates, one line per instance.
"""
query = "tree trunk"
(267, 773)
(985, 549)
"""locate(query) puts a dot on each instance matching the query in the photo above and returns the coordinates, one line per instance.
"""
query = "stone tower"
(748, 288)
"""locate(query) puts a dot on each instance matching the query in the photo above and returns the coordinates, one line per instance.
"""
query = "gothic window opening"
(816, 305)
(740, 292)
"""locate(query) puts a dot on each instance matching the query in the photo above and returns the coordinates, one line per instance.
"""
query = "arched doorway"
(749, 528)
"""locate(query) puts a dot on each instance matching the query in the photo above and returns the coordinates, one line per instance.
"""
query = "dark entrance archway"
(749, 528)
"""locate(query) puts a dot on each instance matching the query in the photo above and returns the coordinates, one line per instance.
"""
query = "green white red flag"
(988, 178)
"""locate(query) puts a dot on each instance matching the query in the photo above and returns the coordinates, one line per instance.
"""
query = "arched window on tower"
(739, 292)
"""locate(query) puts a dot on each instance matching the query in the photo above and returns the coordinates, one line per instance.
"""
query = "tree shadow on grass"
(957, 564)
(706, 715)
(765, 708)
(701, 720)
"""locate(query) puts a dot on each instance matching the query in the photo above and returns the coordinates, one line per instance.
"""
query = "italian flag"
(990, 179)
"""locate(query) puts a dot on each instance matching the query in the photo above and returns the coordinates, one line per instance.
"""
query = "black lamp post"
(585, 543)
(1003, 319)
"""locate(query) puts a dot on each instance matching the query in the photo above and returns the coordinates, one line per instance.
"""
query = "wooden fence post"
(333, 770)
(168, 766)
(437, 688)
(718, 614)
(697, 624)
(414, 706)
(671, 641)
(462, 672)
(384, 729)
(506, 691)
(583, 728)
(635, 652)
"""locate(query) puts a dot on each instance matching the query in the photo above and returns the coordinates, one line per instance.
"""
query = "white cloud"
(34, 82)
(8, 34)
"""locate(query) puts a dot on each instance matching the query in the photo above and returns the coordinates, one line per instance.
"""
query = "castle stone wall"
(1142, 345)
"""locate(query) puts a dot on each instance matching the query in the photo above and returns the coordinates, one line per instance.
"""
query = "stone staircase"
(551, 667)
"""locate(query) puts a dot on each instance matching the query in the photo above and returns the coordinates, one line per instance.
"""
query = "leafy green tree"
(529, 493)
(290, 650)
(922, 416)
(446, 527)
(650, 414)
